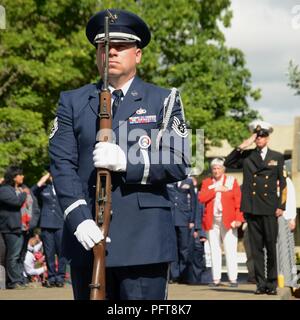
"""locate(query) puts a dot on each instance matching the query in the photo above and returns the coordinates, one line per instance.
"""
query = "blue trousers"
(52, 246)
(178, 268)
(143, 282)
(14, 265)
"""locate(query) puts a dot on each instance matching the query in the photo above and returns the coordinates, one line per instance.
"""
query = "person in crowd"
(12, 197)
(262, 168)
(184, 206)
(51, 224)
(2, 262)
(221, 196)
(30, 214)
(142, 234)
(285, 241)
(31, 270)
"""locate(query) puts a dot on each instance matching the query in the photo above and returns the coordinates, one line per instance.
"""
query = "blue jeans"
(14, 265)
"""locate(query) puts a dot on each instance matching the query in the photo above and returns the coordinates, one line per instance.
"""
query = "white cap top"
(259, 124)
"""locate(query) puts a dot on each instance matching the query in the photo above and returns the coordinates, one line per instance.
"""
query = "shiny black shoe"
(260, 291)
(271, 292)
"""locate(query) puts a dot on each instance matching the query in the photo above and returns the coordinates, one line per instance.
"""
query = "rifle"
(103, 188)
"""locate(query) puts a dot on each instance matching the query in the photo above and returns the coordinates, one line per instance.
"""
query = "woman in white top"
(285, 242)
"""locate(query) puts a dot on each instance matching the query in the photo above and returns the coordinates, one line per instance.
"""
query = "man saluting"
(261, 203)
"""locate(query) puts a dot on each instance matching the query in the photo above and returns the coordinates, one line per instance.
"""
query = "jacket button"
(254, 183)
(253, 192)
(265, 194)
(255, 175)
(267, 177)
(266, 186)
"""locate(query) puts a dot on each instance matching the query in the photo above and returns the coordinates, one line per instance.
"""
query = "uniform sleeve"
(36, 190)
(236, 158)
(205, 193)
(63, 152)
(194, 203)
(201, 231)
(170, 161)
(282, 185)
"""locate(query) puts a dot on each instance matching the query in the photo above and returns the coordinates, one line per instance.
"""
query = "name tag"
(142, 119)
(273, 163)
(212, 186)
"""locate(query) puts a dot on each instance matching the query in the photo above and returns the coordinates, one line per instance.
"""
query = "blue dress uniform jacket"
(184, 202)
(51, 214)
(259, 189)
(141, 228)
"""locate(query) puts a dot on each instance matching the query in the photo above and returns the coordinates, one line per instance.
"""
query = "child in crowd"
(34, 264)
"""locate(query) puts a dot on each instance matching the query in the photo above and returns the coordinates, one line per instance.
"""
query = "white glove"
(88, 234)
(109, 156)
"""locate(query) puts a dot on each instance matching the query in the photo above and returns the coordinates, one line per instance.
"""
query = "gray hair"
(218, 162)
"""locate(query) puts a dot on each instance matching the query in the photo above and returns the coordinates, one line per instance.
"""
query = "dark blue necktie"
(118, 94)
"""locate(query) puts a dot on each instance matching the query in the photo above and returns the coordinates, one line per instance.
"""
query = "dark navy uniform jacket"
(51, 214)
(185, 206)
(259, 189)
(184, 202)
(141, 228)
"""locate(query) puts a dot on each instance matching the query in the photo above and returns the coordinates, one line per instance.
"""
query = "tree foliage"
(44, 51)
(294, 77)
(22, 140)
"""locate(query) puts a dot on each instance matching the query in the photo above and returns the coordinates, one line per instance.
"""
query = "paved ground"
(176, 292)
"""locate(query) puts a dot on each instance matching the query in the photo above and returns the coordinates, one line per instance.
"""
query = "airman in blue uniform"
(51, 224)
(184, 211)
(143, 160)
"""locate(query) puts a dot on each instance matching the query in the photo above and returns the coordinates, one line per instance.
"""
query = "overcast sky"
(268, 32)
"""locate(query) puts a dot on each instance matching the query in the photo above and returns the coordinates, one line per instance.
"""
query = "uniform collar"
(124, 88)
(129, 103)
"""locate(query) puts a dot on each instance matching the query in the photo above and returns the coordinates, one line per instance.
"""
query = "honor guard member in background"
(51, 223)
(184, 208)
(261, 204)
(142, 164)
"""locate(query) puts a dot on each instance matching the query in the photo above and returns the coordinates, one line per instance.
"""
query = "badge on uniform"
(272, 163)
(142, 119)
(141, 111)
(179, 127)
(54, 128)
(185, 186)
(144, 142)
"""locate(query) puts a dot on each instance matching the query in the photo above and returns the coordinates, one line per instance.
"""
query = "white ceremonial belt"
(146, 166)
(74, 206)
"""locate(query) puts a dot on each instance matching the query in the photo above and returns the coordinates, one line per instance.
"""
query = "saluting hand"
(43, 179)
(247, 143)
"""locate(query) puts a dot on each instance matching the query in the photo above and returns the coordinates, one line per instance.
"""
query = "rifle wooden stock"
(102, 202)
